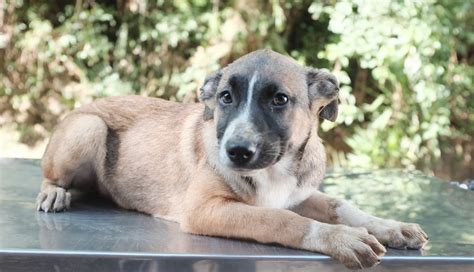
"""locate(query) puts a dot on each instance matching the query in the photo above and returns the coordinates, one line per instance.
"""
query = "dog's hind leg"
(73, 161)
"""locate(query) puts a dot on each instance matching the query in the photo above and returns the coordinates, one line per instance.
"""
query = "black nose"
(240, 153)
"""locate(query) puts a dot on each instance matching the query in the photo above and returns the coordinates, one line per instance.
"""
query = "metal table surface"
(94, 235)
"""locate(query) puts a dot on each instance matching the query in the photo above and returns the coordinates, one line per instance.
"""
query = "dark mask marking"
(112, 151)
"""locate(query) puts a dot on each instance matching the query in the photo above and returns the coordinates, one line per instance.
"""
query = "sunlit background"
(405, 67)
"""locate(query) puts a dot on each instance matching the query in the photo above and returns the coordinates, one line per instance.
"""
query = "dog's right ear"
(207, 93)
(323, 90)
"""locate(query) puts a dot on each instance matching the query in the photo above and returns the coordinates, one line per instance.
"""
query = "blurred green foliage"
(405, 67)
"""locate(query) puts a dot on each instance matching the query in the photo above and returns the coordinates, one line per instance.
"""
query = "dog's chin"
(250, 169)
(243, 171)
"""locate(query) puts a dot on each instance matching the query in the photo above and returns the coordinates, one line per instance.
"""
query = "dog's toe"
(414, 236)
(39, 200)
(400, 235)
(53, 200)
(355, 247)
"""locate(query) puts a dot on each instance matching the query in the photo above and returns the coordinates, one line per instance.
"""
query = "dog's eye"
(280, 99)
(225, 97)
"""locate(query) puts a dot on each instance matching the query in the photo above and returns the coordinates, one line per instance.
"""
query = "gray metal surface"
(97, 236)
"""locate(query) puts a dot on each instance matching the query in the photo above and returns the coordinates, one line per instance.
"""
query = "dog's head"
(264, 105)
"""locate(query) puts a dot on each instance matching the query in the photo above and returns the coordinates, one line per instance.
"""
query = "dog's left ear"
(207, 93)
(323, 90)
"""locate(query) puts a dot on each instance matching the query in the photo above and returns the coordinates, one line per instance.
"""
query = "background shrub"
(405, 67)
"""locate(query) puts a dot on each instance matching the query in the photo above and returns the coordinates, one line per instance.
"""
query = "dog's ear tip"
(330, 118)
(330, 111)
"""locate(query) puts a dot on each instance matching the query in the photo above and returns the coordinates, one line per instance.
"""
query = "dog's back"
(83, 152)
(120, 112)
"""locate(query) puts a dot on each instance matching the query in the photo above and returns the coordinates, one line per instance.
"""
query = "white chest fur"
(277, 188)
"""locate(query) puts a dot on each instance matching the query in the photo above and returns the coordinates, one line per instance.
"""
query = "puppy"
(245, 163)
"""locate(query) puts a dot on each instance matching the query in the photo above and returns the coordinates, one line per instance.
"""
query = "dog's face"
(264, 106)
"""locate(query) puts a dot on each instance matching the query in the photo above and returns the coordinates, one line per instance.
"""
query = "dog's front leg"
(393, 233)
(212, 210)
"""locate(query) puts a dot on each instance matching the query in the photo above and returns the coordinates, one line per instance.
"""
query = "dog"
(245, 163)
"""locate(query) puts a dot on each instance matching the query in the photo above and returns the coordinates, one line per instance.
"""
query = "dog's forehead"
(268, 67)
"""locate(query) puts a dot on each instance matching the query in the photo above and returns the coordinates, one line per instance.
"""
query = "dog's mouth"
(246, 171)
(245, 162)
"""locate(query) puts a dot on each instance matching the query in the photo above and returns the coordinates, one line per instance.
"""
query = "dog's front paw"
(53, 199)
(354, 247)
(398, 234)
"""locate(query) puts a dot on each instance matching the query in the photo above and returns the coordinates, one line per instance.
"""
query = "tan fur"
(162, 158)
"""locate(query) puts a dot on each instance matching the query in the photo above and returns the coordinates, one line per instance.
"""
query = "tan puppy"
(246, 164)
